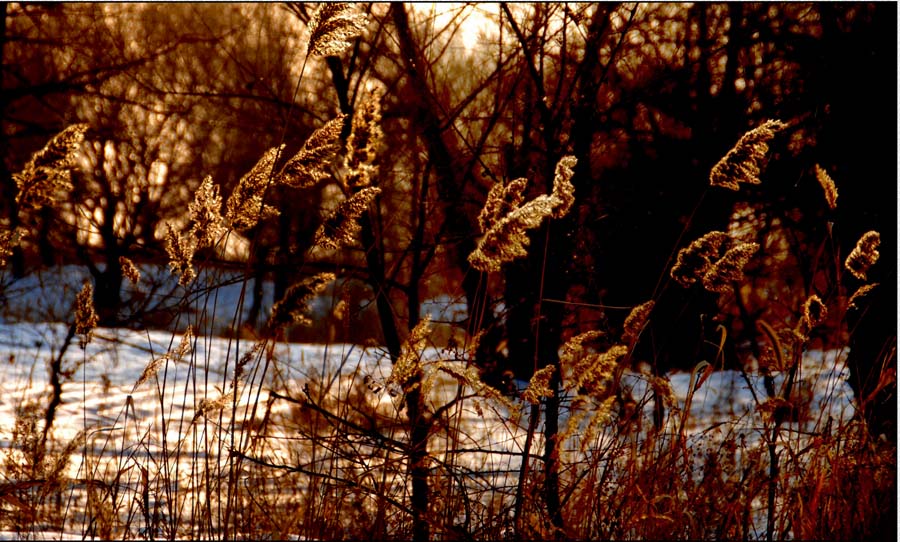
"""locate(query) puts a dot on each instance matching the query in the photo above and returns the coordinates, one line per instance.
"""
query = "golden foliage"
(744, 162)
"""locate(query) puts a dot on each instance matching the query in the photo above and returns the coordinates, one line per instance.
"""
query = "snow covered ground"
(131, 428)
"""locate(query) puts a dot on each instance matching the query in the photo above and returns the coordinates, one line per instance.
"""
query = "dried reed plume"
(85, 316)
(814, 314)
(308, 166)
(694, 261)
(730, 268)
(129, 270)
(635, 322)
(152, 368)
(49, 172)
(211, 406)
(539, 385)
(831, 193)
(291, 309)
(331, 28)
(340, 227)
(364, 143)
(501, 199)
(864, 255)
(744, 162)
(408, 365)
(9, 239)
(860, 292)
(245, 207)
(206, 214)
(507, 238)
(180, 249)
(563, 189)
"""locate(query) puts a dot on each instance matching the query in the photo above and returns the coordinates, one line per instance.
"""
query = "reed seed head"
(340, 228)
(48, 174)
(310, 164)
(744, 162)
(364, 143)
(635, 322)
(697, 258)
(86, 318)
(180, 249)
(730, 268)
(129, 270)
(539, 385)
(245, 207)
(206, 214)
(864, 255)
(331, 28)
(828, 187)
(292, 308)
